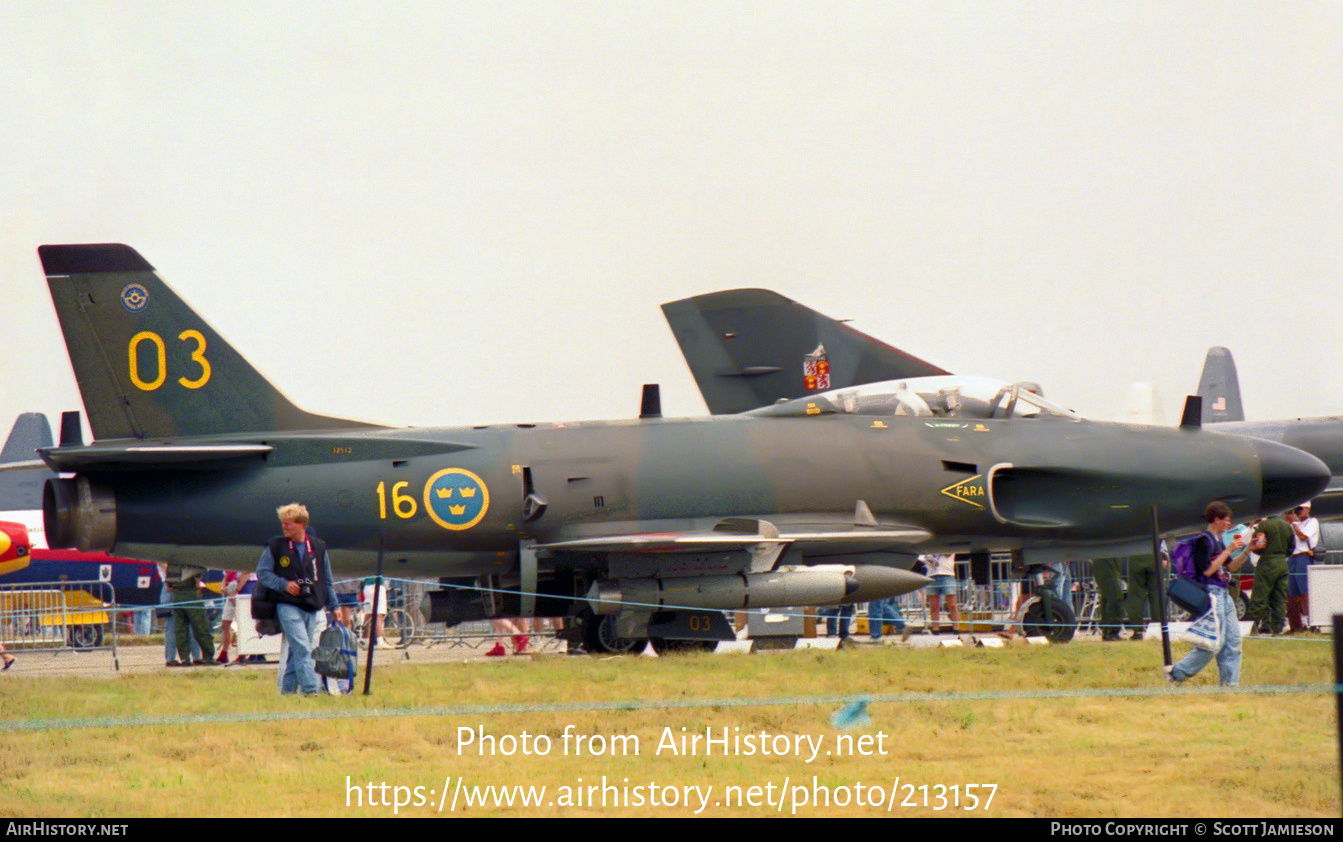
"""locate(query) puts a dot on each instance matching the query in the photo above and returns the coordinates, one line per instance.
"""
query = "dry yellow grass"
(1093, 754)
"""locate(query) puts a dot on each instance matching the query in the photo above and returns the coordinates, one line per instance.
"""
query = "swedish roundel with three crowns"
(456, 498)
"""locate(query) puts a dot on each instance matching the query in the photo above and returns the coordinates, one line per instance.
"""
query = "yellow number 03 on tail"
(161, 360)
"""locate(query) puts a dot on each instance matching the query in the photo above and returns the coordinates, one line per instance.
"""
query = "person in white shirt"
(1307, 532)
(942, 570)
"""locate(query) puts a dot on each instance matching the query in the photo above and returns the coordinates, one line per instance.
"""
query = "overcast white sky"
(481, 205)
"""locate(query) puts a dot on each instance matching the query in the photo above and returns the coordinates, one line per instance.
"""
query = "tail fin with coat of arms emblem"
(749, 348)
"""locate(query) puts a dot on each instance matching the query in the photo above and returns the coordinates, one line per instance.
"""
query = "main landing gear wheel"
(599, 635)
(1059, 626)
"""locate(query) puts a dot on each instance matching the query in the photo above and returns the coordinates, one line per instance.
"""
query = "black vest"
(289, 567)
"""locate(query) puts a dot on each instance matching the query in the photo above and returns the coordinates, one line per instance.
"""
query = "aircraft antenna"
(1193, 413)
(651, 404)
(72, 433)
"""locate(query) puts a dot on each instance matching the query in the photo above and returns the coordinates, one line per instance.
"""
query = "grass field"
(1082, 730)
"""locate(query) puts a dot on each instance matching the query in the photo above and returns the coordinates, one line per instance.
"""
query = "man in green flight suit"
(1106, 573)
(189, 616)
(1268, 601)
(1142, 593)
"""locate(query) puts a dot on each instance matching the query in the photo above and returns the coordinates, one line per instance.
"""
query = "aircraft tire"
(599, 635)
(1059, 627)
(84, 636)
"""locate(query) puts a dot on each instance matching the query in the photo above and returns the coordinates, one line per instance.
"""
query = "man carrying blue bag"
(1212, 565)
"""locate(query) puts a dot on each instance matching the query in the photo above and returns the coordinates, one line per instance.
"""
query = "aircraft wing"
(220, 452)
(31, 464)
(146, 455)
(1328, 504)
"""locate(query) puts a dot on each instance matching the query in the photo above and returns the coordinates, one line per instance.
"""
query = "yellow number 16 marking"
(402, 504)
(161, 360)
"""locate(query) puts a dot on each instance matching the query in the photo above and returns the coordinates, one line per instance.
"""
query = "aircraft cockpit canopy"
(932, 397)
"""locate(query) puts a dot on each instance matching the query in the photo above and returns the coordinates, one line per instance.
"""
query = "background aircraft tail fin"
(146, 364)
(748, 348)
(1220, 388)
(23, 475)
(30, 431)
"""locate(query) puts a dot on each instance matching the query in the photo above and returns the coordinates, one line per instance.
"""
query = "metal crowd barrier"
(51, 616)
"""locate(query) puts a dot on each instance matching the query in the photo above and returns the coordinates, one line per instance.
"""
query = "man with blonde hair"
(295, 567)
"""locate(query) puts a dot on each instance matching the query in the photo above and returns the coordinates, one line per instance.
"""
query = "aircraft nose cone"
(1288, 476)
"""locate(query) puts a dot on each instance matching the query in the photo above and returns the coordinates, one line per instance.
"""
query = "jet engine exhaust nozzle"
(79, 513)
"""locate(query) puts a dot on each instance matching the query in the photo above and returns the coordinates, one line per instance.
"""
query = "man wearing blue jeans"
(1306, 531)
(297, 570)
(1213, 564)
(837, 619)
(883, 611)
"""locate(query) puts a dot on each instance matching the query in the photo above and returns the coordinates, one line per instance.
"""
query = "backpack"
(334, 654)
(1182, 557)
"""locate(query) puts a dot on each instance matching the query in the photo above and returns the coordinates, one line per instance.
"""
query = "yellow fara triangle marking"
(966, 493)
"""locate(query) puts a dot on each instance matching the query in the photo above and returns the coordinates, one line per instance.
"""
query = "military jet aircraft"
(748, 348)
(751, 347)
(1321, 437)
(645, 527)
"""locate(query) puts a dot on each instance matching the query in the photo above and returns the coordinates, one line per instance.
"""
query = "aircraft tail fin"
(1220, 388)
(21, 473)
(146, 364)
(748, 348)
(30, 431)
